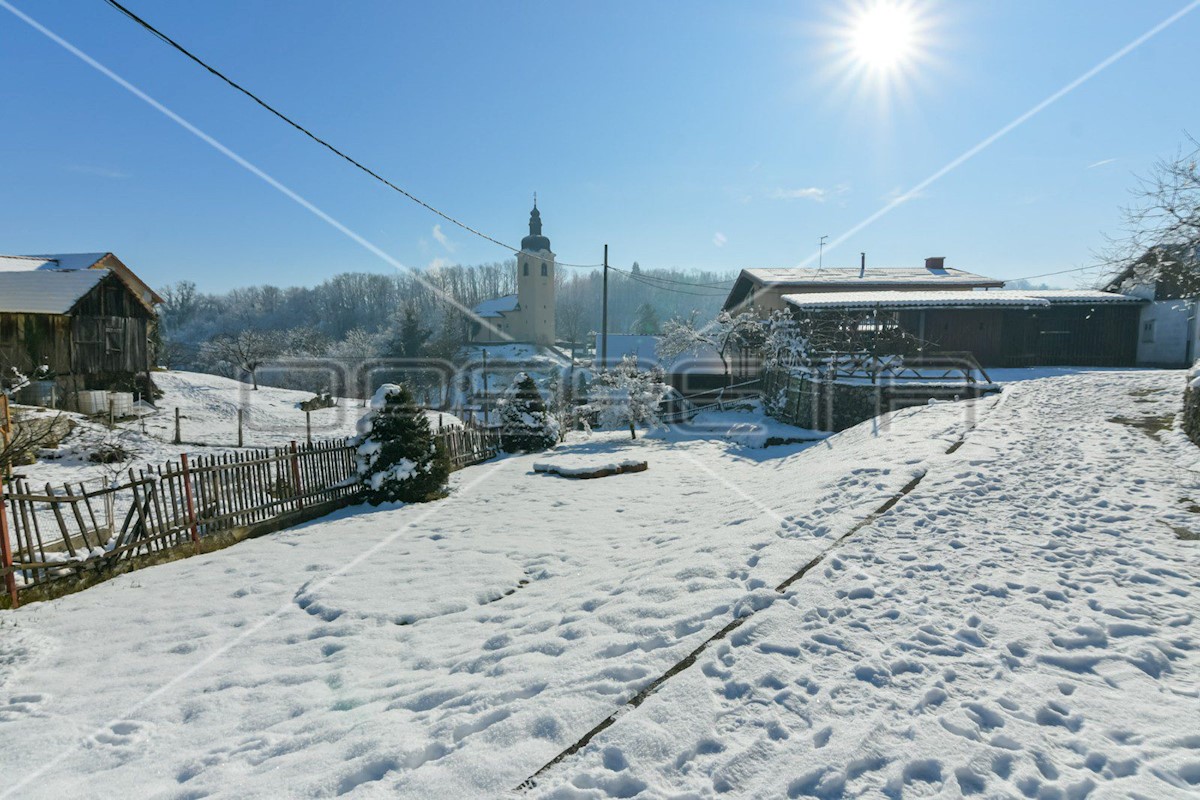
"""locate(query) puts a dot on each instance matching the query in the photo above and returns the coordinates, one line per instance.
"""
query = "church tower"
(535, 283)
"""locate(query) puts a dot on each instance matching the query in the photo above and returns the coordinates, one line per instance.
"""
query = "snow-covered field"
(208, 406)
(1023, 622)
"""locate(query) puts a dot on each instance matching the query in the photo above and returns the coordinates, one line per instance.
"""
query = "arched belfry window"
(545, 269)
(525, 268)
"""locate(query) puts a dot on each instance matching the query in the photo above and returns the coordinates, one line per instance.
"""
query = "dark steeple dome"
(535, 241)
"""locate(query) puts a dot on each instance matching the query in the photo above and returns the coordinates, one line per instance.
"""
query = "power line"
(235, 85)
(1060, 272)
(662, 288)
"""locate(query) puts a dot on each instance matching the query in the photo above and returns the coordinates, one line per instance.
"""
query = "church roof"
(497, 306)
(535, 242)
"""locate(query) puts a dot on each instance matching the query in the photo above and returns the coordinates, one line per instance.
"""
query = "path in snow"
(1022, 624)
(480, 636)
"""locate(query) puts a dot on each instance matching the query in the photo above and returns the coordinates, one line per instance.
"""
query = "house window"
(525, 268)
(544, 272)
(1148, 332)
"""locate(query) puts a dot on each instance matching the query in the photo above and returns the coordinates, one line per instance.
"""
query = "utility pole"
(604, 317)
(821, 252)
(486, 409)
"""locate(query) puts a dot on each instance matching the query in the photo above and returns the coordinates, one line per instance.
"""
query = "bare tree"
(245, 350)
(723, 334)
(1160, 245)
(571, 314)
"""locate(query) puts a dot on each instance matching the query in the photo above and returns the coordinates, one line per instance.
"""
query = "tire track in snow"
(734, 624)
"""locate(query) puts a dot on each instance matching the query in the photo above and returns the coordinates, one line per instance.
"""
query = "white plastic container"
(92, 402)
(122, 404)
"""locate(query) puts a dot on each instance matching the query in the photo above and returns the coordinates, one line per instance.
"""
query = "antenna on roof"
(821, 252)
(862, 268)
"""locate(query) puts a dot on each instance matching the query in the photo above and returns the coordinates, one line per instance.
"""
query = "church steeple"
(535, 242)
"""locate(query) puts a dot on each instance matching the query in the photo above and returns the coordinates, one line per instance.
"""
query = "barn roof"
(497, 306)
(46, 291)
(856, 279)
(60, 261)
(1010, 298)
(80, 261)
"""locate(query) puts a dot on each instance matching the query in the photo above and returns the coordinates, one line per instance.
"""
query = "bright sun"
(883, 35)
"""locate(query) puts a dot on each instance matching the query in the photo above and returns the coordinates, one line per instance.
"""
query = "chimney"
(862, 266)
(935, 263)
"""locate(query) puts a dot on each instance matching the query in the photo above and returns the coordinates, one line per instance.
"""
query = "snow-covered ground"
(208, 406)
(1021, 623)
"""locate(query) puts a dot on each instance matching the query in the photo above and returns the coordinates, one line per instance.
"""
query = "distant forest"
(363, 315)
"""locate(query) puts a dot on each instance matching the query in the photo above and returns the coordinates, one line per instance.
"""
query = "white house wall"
(1168, 333)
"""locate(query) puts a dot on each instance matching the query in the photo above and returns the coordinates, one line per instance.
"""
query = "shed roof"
(1010, 298)
(46, 291)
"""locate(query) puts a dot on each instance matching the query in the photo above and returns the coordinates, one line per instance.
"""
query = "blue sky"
(683, 134)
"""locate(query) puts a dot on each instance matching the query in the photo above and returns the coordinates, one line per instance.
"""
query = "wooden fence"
(51, 535)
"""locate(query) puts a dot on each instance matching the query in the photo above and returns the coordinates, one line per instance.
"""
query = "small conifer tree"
(525, 425)
(398, 456)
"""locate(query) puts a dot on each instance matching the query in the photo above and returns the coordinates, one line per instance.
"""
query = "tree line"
(358, 316)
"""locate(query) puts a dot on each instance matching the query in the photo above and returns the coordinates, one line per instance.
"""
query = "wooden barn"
(90, 327)
(1001, 328)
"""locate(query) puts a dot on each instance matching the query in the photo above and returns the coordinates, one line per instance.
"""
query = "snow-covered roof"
(59, 261)
(954, 299)
(645, 349)
(46, 291)
(497, 306)
(854, 279)
(874, 276)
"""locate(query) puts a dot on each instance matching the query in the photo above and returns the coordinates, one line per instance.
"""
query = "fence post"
(191, 508)
(308, 426)
(178, 439)
(296, 476)
(6, 559)
(239, 427)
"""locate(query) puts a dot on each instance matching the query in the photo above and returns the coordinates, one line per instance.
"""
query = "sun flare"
(883, 35)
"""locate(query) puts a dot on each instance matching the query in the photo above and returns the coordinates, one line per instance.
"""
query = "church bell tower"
(535, 282)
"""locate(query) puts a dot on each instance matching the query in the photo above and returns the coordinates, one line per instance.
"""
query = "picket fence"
(59, 535)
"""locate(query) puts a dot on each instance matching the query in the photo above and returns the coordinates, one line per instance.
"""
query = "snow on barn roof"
(61, 261)
(953, 299)
(46, 291)
(497, 306)
(874, 276)
(851, 279)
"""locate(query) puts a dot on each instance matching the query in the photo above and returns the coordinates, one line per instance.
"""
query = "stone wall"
(1191, 413)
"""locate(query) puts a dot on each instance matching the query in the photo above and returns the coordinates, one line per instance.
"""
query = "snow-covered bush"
(626, 396)
(525, 424)
(398, 456)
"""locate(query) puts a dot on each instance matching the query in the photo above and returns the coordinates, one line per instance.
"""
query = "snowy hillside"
(1022, 621)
